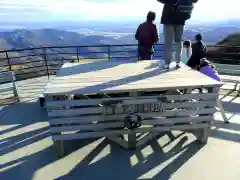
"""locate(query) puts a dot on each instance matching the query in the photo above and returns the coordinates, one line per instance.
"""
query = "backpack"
(183, 7)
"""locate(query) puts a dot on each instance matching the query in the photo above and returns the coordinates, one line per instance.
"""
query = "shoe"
(178, 66)
(166, 66)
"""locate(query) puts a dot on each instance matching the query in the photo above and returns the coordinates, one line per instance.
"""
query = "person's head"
(187, 44)
(204, 62)
(151, 16)
(198, 37)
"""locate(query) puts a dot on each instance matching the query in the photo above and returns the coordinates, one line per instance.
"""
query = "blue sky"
(205, 10)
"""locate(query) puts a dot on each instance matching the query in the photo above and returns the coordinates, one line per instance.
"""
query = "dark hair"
(207, 63)
(198, 37)
(151, 16)
(187, 43)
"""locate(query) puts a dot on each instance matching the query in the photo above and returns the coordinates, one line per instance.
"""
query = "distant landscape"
(20, 36)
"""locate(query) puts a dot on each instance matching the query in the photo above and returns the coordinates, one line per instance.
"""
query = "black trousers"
(146, 53)
(193, 62)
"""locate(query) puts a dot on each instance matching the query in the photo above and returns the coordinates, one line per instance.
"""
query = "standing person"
(174, 15)
(198, 52)
(147, 35)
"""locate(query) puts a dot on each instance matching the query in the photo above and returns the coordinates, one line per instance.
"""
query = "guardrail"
(35, 62)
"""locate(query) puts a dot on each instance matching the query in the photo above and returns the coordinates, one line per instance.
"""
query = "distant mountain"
(23, 39)
(25, 63)
(212, 36)
(231, 40)
(19, 39)
(228, 50)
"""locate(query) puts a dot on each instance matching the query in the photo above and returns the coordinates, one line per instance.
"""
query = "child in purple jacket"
(208, 69)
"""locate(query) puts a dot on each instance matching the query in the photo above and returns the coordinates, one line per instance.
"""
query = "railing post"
(78, 54)
(45, 59)
(9, 62)
(109, 52)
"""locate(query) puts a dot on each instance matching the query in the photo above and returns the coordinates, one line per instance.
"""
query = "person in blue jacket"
(174, 15)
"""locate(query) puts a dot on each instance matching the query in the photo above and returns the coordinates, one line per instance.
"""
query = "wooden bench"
(8, 91)
(231, 74)
(128, 103)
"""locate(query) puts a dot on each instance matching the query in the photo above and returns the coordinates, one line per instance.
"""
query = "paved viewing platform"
(26, 150)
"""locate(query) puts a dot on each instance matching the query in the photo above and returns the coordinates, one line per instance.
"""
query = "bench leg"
(132, 141)
(203, 135)
(238, 93)
(42, 101)
(16, 93)
(219, 104)
(235, 86)
(59, 147)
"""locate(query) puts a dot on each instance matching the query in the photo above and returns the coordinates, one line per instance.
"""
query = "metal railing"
(34, 62)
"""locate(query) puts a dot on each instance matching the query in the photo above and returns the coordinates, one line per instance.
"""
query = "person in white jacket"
(187, 51)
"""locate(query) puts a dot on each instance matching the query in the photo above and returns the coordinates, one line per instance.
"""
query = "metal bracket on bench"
(132, 121)
(162, 99)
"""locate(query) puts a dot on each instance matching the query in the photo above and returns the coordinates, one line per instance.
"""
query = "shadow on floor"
(22, 114)
(23, 124)
(117, 165)
(227, 132)
(231, 107)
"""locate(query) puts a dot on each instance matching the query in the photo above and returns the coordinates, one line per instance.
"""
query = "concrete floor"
(26, 151)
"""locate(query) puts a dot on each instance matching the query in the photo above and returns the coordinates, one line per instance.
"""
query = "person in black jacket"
(174, 15)
(147, 36)
(198, 52)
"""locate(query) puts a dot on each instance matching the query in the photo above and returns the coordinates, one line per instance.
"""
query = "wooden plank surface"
(228, 69)
(127, 131)
(118, 76)
(74, 112)
(138, 99)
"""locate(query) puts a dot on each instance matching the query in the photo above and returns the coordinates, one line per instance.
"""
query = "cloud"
(98, 9)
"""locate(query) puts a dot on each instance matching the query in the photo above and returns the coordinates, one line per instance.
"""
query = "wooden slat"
(79, 83)
(139, 99)
(229, 71)
(169, 121)
(6, 74)
(92, 127)
(160, 114)
(130, 87)
(72, 112)
(127, 131)
(159, 121)
(2, 90)
(100, 110)
(230, 80)
(6, 79)
(227, 66)
(79, 120)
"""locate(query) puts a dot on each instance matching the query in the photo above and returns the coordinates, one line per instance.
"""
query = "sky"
(205, 10)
